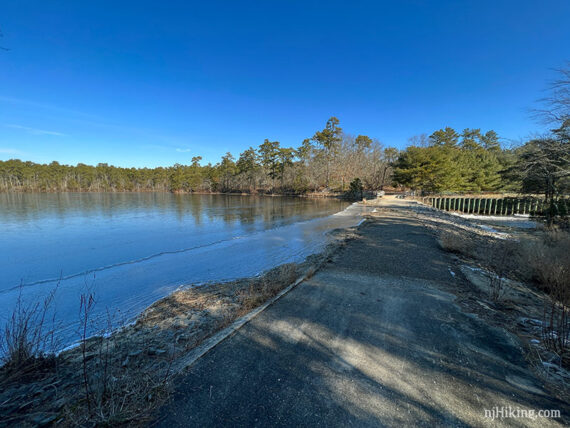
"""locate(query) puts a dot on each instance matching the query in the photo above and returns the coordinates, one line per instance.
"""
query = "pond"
(131, 249)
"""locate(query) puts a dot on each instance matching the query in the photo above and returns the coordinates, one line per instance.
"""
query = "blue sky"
(139, 83)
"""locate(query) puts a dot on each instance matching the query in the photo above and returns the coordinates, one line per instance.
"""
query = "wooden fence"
(495, 206)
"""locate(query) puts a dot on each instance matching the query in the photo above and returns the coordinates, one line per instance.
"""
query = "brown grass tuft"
(454, 242)
(267, 286)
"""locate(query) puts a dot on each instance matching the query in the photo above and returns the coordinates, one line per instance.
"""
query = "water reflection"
(134, 248)
(30, 207)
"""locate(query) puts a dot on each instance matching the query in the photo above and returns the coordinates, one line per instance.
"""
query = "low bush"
(27, 338)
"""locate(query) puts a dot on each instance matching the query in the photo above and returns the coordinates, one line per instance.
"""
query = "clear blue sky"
(139, 83)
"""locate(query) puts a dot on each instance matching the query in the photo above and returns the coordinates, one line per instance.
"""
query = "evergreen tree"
(329, 139)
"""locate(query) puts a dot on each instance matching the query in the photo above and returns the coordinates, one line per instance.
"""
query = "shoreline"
(309, 195)
(143, 358)
(151, 347)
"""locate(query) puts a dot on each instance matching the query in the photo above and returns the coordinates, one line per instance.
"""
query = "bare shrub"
(499, 257)
(128, 394)
(548, 261)
(26, 339)
(116, 392)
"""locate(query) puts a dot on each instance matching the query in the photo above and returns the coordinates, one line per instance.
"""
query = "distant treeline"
(328, 160)
(446, 161)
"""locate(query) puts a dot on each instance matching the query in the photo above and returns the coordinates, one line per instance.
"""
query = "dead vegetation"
(499, 257)
(262, 289)
(27, 341)
(454, 242)
(547, 259)
(540, 258)
(516, 279)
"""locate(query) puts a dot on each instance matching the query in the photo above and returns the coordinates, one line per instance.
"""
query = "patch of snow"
(521, 221)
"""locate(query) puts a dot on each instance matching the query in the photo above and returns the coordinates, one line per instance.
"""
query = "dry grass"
(112, 391)
(116, 393)
(547, 261)
(454, 242)
(497, 256)
(26, 340)
(264, 288)
(547, 258)
(119, 395)
(542, 259)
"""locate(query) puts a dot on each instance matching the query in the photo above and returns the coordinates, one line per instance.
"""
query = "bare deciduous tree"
(556, 106)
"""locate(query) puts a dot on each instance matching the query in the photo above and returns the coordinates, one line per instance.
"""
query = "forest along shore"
(129, 374)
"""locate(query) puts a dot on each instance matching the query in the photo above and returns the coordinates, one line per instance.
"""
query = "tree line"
(473, 161)
(444, 162)
(329, 160)
(447, 161)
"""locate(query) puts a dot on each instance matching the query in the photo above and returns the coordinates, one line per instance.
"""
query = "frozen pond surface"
(130, 249)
